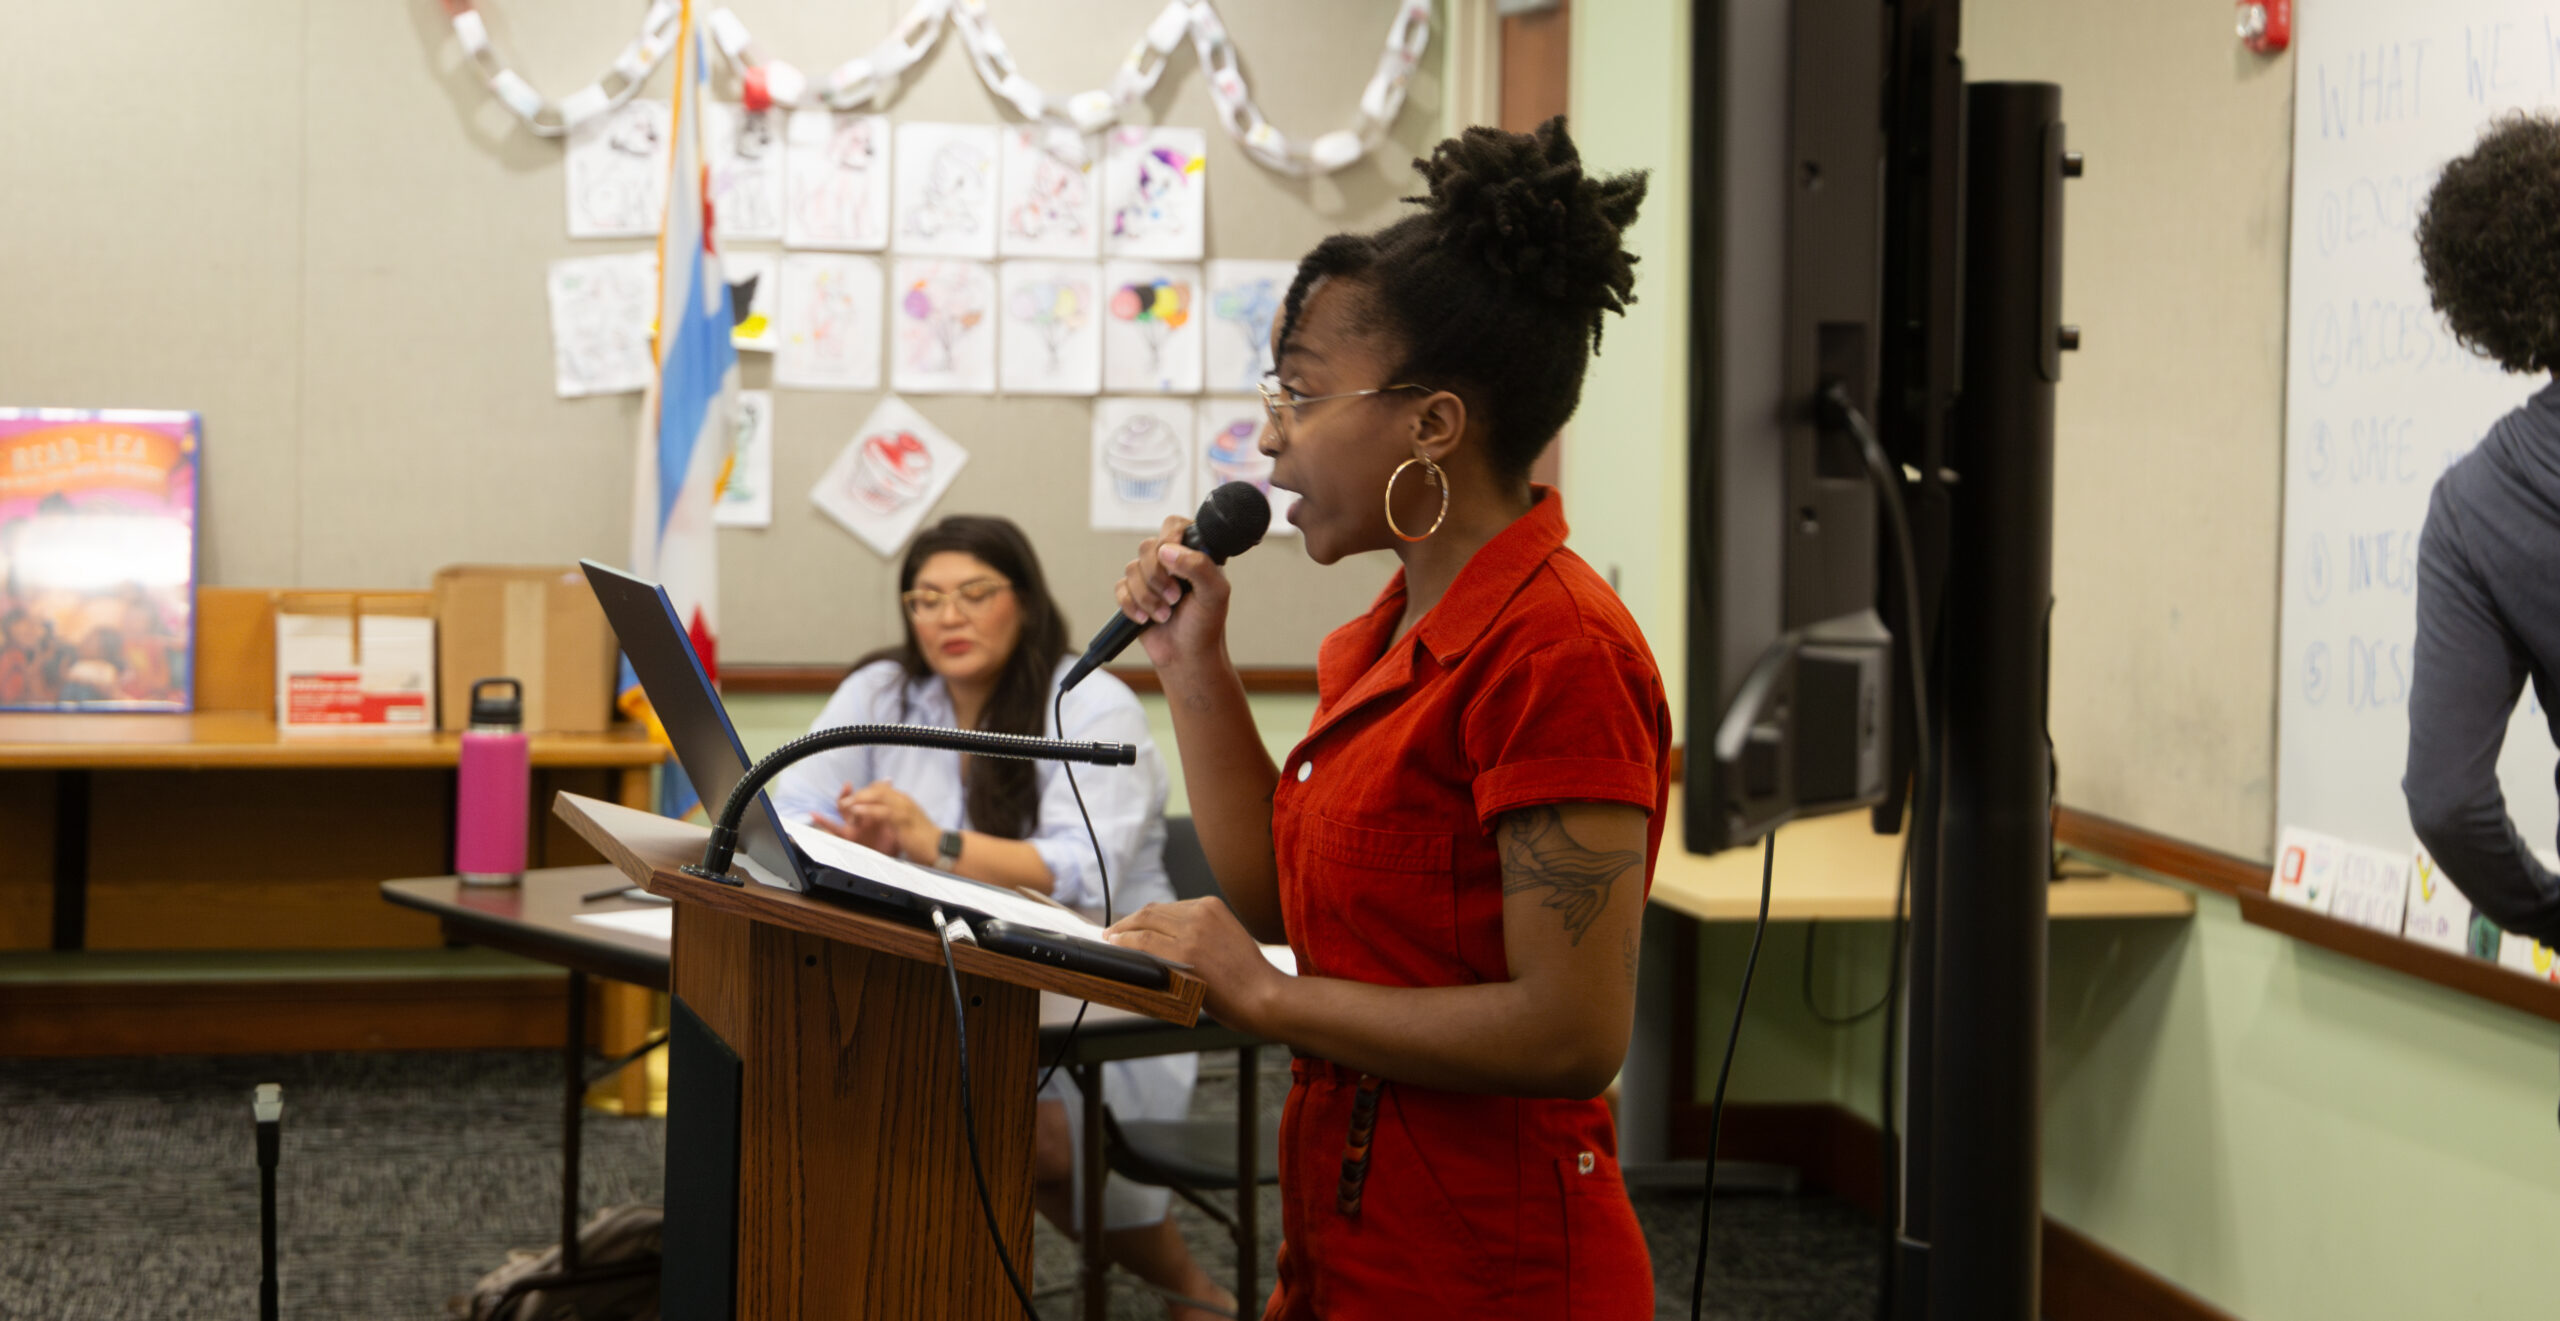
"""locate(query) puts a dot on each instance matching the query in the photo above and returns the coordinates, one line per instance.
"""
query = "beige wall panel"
(2171, 419)
(150, 237)
(321, 229)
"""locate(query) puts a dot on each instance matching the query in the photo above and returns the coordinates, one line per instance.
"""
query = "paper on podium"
(654, 923)
(871, 864)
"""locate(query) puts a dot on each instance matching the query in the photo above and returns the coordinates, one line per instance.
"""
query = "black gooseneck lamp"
(723, 847)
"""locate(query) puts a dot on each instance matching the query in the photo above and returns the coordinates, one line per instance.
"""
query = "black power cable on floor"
(1715, 1110)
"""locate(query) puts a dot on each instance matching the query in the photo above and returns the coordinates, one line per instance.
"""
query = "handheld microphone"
(1230, 522)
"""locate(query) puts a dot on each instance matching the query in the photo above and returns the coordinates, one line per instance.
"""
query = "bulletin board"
(332, 242)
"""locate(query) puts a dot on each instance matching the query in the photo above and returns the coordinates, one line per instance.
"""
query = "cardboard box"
(536, 623)
(355, 662)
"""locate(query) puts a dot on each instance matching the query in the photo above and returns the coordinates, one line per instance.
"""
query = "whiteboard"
(2380, 400)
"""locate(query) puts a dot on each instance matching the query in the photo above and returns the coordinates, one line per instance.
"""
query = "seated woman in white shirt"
(985, 647)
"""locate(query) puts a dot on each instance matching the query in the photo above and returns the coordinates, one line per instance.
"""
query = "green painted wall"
(2285, 1132)
(1625, 479)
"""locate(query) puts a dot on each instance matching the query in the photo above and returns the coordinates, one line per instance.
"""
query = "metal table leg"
(70, 860)
(573, 1053)
(573, 1056)
(1248, 1180)
(1095, 1281)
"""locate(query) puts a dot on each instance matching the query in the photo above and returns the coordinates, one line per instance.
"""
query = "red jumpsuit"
(1528, 684)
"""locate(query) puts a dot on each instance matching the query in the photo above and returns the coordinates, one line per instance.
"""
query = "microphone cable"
(969, 1122)
(1101, 867)
(960, 1024)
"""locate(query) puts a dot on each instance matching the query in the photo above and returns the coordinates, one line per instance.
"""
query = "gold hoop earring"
(1431, 474)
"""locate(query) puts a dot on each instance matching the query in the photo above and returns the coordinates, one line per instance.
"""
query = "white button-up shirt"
(1126, 802)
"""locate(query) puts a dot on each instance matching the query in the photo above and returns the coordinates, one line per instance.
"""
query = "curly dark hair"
(1494, 290)
(2489, 241)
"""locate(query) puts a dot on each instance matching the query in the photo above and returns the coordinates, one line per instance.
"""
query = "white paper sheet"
(889, 476)
(2373, 888)
(746, 483)
(1052, 198)
(836, 186)
(943, 319)
(830, 309)
(2306, 870)
(754, 292)
(2437, 913)
(871, 864)
(1141, 463)
(743, 150)
(1244, 302)
(1052, 332)
(1155, 182)
(1230, 450)
(654, 923)
(617, 172)
(946, 190)
(1151, 328)
(2524, 954)
(600, 312)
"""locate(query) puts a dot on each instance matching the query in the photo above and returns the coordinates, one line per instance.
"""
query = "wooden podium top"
(649, 849)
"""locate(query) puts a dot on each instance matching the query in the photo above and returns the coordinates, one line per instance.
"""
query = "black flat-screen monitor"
(1819, 234)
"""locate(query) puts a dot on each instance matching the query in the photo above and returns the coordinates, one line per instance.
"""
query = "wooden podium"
(854, 1195)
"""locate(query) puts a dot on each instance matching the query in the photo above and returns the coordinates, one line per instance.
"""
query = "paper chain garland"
(872, 79)
(551, 119)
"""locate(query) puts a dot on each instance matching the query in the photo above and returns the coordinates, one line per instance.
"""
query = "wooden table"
(214, 831)
(1836, 868)
(1829, 869)
(538, 920)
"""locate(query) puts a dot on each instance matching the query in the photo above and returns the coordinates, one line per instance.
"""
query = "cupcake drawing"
(1143, 456)
(1233, 456)
(895, 468)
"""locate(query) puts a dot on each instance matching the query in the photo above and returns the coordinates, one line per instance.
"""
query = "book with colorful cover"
(97, 559)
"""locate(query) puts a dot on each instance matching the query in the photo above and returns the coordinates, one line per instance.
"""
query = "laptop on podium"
(797, 856)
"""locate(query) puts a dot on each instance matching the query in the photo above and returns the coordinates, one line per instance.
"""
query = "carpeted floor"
(128, 1189)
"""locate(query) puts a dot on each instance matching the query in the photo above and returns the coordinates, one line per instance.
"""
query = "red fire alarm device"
(2266, 26)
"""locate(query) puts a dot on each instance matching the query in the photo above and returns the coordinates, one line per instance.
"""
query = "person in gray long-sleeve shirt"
(2489, 558)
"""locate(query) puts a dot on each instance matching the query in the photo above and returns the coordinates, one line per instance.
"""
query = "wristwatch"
(947, 856)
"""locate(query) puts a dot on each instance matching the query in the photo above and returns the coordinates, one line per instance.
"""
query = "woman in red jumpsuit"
(1458, 850)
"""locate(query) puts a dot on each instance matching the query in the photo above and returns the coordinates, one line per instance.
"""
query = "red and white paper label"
(339, 698)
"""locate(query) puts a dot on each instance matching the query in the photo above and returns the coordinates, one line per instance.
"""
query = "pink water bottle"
(493, 787)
